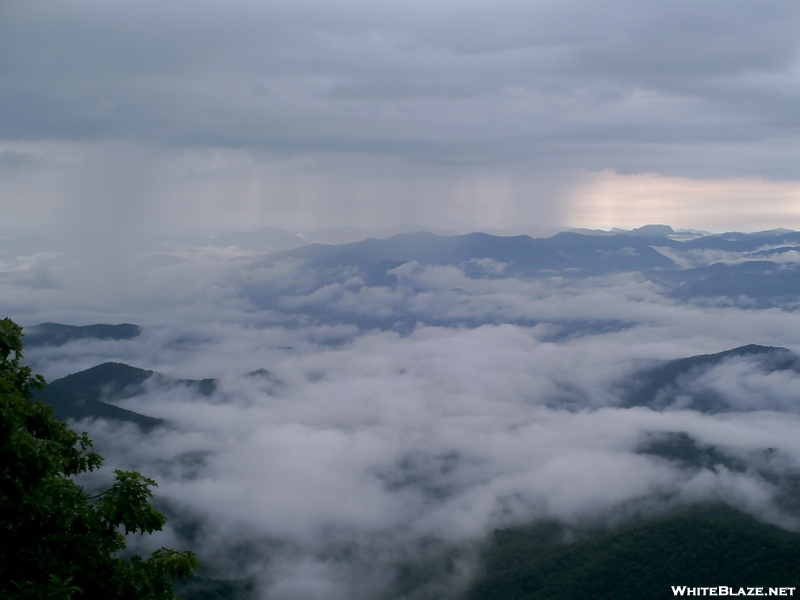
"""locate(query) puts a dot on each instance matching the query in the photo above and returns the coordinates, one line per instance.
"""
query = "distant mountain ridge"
(523, 253)
(750, 270)
(431, 248)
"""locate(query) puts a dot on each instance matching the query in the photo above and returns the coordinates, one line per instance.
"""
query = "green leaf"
(55, 540)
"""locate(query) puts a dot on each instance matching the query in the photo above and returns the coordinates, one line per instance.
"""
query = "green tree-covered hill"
(707, 546)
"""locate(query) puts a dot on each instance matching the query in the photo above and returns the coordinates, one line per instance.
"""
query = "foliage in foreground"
(57, 542)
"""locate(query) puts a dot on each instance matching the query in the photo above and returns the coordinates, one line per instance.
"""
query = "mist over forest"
(358, 417)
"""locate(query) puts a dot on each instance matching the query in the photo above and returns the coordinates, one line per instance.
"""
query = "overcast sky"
(217, 116)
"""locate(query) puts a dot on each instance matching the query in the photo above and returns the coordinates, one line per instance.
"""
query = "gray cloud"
(417, 81)
(196, 116)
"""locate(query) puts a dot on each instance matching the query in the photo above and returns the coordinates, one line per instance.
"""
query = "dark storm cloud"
(559, 80)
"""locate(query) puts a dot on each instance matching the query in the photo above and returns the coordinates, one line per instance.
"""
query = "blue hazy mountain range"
(747, 270)
(750, 270)
(523, 254)
(568, 251)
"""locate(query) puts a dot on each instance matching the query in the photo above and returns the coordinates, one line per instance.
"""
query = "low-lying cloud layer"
(365, 435)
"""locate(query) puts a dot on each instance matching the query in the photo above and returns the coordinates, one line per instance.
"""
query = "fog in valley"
(374, 415)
